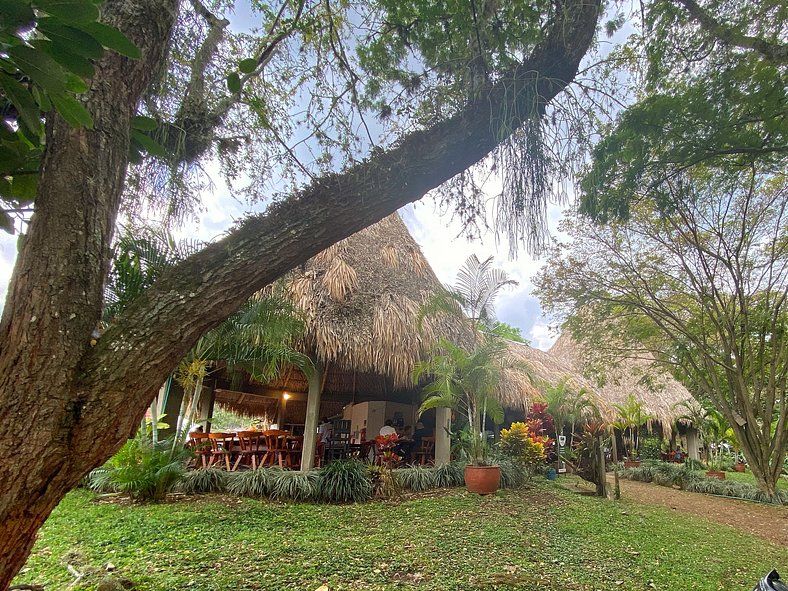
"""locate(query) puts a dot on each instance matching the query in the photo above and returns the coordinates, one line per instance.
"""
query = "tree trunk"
(69, 399)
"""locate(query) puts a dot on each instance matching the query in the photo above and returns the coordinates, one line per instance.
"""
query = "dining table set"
(247, 449)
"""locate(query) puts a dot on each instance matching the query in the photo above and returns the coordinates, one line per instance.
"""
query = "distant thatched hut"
(361, 300)
(656, 389)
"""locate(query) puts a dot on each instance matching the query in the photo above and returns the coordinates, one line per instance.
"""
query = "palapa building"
(361, 300)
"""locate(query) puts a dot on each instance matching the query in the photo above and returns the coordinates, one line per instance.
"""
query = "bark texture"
(69, 401)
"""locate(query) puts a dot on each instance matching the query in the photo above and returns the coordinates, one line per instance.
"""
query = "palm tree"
(567, 407)
(477, 287)
(465, 382)
(631, 416)
(258, 338)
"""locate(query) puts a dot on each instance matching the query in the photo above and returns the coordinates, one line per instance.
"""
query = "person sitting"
(678, 456)
(387, 428)
(324, 431)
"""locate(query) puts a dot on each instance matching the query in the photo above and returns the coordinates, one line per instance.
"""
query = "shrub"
(345, 481)
(143, 470)
(384, 482)
(203, 481)
(684, 476)
(416, 478)
(650, 448)
(294, 486)
(450, 475)
(522, 446)
(513, 474)
(252, 483)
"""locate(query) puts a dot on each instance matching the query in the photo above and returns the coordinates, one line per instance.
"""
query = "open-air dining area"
(250, 450)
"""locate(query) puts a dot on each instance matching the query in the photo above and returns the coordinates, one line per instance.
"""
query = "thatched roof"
(361, 299)
(520, 388)
(657, 390)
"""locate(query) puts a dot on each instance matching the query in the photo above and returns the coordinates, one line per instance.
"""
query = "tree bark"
(70, 400)
(53, 430)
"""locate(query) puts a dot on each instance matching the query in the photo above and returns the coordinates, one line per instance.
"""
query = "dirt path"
(765, 521)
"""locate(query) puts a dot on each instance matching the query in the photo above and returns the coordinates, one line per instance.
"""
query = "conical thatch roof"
(361, 300)
(657, 390)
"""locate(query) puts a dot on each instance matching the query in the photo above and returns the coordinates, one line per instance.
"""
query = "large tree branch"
(774, 52)
(160, 327)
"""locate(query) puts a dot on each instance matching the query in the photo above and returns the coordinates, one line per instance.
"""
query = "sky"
(440, 238)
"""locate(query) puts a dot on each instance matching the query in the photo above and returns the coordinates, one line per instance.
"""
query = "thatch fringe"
(340, 279)
(656, 389)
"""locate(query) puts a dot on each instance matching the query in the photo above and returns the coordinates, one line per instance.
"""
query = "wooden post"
(442, 438)
(601, 489)
(614, 452)
(312, 416)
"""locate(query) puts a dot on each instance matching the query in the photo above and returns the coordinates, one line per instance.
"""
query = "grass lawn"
(541, 538)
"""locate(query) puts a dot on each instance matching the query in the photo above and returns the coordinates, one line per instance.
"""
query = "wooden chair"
(295, 445)
(198, 442)
(426, 453)
(252, 449)
(276, 450)
(221, 449)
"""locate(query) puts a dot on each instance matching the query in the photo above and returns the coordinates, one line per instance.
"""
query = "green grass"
(748, 478)
(544, 537)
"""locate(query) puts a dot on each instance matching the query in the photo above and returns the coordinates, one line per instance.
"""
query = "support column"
(442, 437)
(312, 417)
(692, 444)
(172, 407)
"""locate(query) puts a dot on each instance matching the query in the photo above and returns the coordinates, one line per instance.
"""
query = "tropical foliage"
(523, 446)
(143, 470)
(465, 382)
(631, 417)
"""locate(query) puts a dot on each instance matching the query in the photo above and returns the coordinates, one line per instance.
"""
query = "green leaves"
(247, 66)
(47, 49)
(72, 111)
(111, 39)
(78, 11)
(234, 83)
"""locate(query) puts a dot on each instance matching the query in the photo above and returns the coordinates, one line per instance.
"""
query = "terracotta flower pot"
(716, 474)
(740, 467)
(632, 464)
(484, 480)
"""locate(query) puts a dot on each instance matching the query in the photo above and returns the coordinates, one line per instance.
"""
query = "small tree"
(465, 382)
(631, 416)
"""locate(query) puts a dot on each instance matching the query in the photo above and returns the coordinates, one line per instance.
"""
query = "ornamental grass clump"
(289, 485)
(344, 481)
(207, 480)
(450, 475)
(416, 478)
(252, 483)
(513, 474)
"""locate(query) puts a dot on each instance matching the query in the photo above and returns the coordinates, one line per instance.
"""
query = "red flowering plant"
(539, 424)
(386, 455)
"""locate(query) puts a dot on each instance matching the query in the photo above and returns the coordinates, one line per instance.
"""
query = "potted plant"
(715, 467)
(465, 381)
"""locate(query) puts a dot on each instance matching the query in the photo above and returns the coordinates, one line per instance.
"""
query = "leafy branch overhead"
(48, 50)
